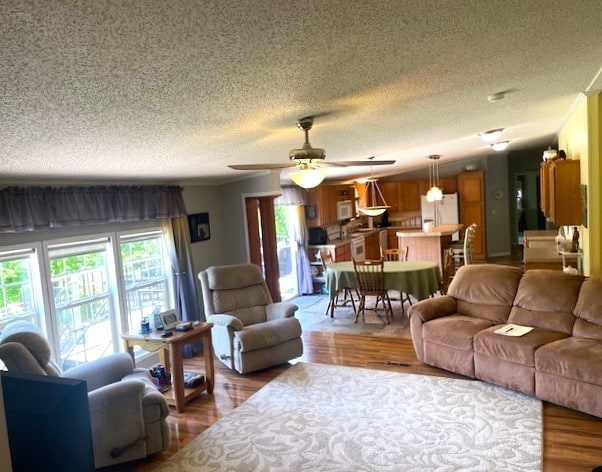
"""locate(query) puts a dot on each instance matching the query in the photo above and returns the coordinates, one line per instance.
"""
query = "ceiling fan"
(308, 160)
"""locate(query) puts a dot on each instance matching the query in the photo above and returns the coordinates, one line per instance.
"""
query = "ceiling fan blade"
(284, 165)
(362, 163)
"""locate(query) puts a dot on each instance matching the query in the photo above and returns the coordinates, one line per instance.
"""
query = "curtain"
(24, 209)
(304, 280)
(297, 197)
(180, 255)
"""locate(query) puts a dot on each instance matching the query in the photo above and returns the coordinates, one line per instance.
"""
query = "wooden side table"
(578, 255)
(178, 395)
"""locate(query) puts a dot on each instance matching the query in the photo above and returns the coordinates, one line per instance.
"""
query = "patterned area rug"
(312, 309)
(330, 418)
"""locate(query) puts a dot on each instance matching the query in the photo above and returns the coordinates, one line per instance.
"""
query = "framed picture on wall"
(199, 227)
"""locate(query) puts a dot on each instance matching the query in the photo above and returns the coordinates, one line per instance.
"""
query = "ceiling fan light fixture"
(491, 135)
(308, 176)
(500, 146)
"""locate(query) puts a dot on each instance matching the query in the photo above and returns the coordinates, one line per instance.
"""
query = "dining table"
(417, 278)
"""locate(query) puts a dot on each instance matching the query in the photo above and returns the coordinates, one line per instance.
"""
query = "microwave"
(344, 210)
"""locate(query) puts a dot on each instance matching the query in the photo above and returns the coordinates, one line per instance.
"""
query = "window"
(81, 294)
(19, 280)
(145, 274)
(95, 288)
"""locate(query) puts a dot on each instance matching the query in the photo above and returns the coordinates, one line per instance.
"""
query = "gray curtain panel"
(24, 209)
(185, 292)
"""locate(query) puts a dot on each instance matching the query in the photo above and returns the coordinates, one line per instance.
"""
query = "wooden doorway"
(263, 248)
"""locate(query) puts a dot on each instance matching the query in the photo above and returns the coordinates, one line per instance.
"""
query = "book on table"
(512, 329)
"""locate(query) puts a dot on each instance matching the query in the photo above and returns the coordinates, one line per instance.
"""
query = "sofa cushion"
(519, 349)
(455, 331)
(589, 310)
(485, 290)
(267, 334)
(546, 299)
(573, 358)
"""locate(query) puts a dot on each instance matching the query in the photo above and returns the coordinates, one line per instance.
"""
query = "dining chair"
(394, 254)
(397, 254)
(370, 277)
(326, 258)
(448, 271)
(464, 252)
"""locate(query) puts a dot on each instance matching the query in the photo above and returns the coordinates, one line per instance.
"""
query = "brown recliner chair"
(249, 332)
(127, 412)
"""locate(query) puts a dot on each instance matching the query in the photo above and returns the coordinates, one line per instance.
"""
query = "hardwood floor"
(572, 440)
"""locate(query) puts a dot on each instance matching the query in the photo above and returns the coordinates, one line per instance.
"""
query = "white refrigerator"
(446, 211)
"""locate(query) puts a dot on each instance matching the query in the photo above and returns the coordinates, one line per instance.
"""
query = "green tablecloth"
(417, 278)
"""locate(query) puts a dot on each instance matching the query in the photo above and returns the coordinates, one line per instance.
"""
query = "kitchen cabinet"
(408, 195)
(372, 245)
(390, 191)
(471, 190)
(402, 195)
(321, 208)
(561, 201)
(446, 184)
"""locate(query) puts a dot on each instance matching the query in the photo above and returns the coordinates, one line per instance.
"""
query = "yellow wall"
(581, 139)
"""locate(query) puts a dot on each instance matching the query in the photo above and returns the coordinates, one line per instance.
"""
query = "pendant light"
(434, 193)
(373, 194)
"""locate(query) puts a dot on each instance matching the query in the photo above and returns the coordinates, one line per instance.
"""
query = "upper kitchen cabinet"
(401, 195)
(447, 185)
(390, 192)
(318, 208)
(471, 190)
(321, 208)
(408, 195)
(561, 200)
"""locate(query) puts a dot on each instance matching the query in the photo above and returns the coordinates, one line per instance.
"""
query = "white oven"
(358, 248)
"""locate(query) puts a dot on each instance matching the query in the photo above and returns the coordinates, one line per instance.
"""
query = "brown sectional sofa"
(559, 361)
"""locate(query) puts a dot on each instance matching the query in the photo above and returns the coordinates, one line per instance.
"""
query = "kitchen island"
(428, 246)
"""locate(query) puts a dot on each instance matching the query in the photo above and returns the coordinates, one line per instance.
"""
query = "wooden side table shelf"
(178, 395)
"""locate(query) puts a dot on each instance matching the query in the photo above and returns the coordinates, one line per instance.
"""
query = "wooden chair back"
(449, 269)
(370, 276)
(469, 236)
(325, 257)
(394, 254)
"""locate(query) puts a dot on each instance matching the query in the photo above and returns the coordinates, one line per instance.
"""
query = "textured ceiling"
(174, 91)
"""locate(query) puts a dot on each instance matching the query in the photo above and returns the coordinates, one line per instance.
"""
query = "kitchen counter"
(441, 230)
(428, 246)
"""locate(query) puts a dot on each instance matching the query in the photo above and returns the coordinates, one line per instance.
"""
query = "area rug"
(330, 418)
(312, 309)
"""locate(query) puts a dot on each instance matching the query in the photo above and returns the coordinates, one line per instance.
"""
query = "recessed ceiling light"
(491, 135)
(496, 97)
(502, 145)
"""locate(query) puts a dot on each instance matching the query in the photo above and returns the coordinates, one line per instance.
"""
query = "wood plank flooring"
(572, 440)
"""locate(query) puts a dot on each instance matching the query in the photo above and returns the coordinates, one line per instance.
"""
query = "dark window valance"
(41, 208)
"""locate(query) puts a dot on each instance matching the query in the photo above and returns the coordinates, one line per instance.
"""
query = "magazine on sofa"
(513, 330)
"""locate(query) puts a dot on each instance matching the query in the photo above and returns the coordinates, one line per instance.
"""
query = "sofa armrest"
(117, 421)
(103, 371)
(280, 310)
(17, 358)
(226, 321)
(433, 308)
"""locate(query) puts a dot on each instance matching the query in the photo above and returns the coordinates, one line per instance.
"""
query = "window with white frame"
(95, 287)
(19, 285)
